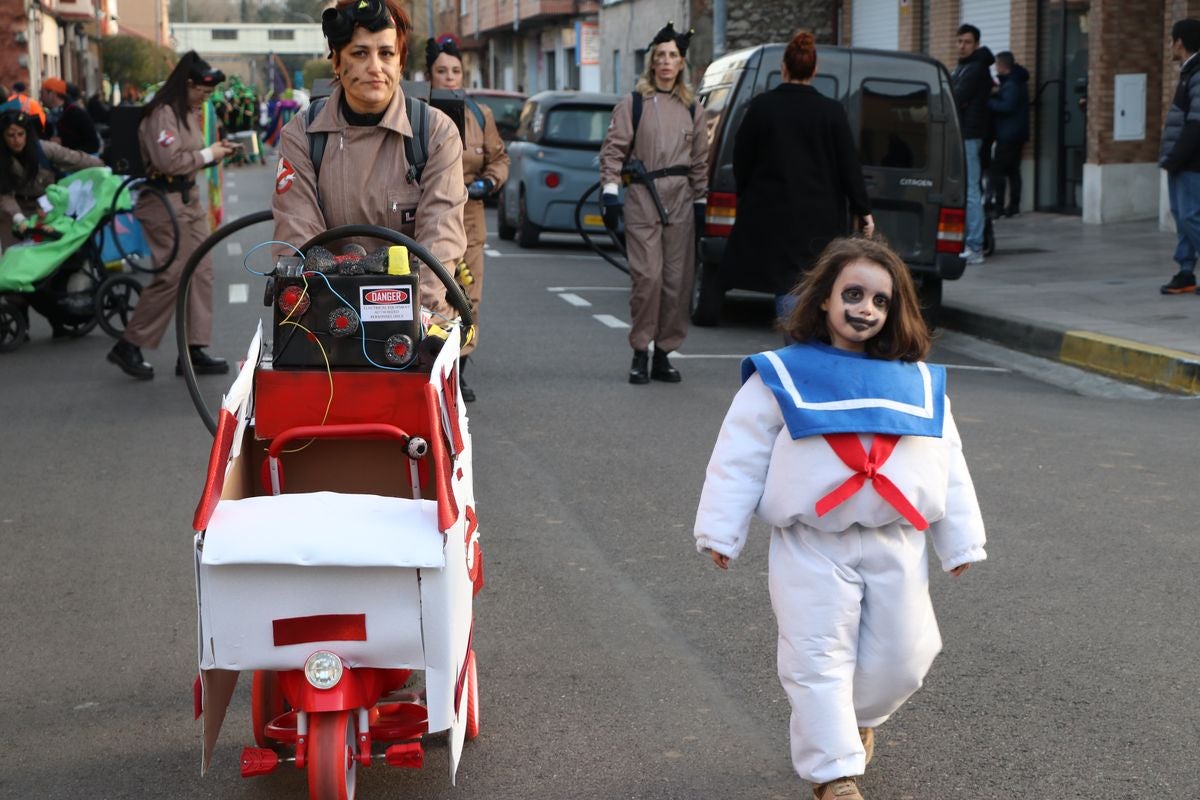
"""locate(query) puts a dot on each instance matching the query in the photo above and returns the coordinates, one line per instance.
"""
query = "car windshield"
(578, 125)
(506, 110)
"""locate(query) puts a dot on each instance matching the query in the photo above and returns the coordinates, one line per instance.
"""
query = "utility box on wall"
(1129, 107)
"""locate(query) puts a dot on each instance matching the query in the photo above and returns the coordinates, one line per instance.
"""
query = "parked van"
(902, 113)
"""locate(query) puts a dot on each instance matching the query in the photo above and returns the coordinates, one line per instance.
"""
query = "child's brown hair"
(904, 335)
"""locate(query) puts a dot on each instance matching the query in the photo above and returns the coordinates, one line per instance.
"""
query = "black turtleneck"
(357, 119)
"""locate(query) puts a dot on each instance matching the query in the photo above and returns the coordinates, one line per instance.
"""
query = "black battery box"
(367, 320)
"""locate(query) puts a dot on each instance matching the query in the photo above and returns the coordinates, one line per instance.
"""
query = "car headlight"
(323, 669)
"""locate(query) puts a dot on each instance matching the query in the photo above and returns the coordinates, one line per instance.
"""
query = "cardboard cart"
(337, 555)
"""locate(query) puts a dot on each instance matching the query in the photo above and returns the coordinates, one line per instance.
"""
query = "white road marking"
(587, 288)
(610, 321)
(239, 292)
(487, 251)
(559, 256)
(574, 299)
(233, 198)
(230, 183)
(234, 248)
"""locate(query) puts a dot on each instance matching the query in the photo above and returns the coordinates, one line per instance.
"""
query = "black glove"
(612, 211)
(698, 211)
(480, 188)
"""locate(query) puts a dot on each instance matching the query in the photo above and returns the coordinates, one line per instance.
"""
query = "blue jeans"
(1184, 190)
(974, 197)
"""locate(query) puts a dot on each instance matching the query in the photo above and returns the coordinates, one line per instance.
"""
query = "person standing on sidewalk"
(1010, 112)
(1180, 155)
(972, 82)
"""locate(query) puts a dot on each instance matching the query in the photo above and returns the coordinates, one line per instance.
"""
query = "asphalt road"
(614, 661)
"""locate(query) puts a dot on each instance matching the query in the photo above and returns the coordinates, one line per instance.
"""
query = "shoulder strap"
(478, 112)
(316, 141)
(416, 149)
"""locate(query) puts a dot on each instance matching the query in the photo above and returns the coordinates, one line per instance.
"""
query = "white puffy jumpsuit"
(849, 588)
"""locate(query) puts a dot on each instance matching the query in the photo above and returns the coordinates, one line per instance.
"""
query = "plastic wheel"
(472, 697)
(13, 327)
(116, 299)
(331, 763)
(527, 232)
(266, 704)
(504, 229)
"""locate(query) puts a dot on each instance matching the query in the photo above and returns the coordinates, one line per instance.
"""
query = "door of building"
(1060, 104)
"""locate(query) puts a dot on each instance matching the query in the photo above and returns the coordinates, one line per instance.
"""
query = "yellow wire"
(328, 369)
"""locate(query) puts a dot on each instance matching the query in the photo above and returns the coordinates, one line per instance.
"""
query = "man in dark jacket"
(1010, 119)
(1180, 155)
(972, 81)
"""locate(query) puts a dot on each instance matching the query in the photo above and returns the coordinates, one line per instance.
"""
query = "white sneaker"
(972, 256)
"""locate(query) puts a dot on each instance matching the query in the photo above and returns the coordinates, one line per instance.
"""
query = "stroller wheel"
(14, 328)
(115, 300)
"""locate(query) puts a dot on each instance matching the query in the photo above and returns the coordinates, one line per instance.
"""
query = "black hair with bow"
(668, 34)
(435, 47)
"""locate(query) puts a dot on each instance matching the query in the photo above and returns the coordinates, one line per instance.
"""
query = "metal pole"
(429, 10)
(718, 28)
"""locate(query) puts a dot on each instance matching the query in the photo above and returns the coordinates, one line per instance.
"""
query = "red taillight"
(293, 300)
(553, 179)
(720, 214)
(952, 230)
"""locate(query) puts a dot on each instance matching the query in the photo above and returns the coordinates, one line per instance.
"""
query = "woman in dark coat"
(797, 172)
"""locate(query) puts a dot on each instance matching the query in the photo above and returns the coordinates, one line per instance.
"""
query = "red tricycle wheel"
(331, 750)
(266, 704)
(472, 697)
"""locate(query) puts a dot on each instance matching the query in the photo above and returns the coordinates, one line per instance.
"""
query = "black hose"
(181, 308)
(112, 219)
(616, 240)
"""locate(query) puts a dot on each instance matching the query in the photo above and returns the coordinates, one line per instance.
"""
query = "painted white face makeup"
(858, 306)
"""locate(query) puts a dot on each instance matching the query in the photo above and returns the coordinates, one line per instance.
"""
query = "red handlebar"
(362, 430)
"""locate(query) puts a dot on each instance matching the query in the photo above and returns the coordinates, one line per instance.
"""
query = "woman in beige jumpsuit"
(171, 140)
(485, 168)
(363, 178)
(672, 142)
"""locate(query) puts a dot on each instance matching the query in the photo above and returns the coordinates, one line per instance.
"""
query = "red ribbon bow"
(866, 466)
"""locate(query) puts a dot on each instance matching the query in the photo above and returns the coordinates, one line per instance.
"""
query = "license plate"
(595, 220)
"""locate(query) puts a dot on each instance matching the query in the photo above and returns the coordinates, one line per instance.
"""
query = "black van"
(902, 112)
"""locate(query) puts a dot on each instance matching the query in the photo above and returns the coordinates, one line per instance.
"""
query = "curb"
(1159, 368)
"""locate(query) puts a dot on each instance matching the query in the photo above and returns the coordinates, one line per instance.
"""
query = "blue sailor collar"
(821, 389)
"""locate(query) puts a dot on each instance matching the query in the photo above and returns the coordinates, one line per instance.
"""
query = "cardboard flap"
(325, 529)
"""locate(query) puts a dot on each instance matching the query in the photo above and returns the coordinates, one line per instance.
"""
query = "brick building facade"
(1094, 147)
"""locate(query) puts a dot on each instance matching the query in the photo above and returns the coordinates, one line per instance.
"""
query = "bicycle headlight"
(323, 669)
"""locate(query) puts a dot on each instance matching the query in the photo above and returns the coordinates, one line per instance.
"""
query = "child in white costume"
(845, 445)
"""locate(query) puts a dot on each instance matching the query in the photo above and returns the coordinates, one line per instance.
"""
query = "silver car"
(555, 159)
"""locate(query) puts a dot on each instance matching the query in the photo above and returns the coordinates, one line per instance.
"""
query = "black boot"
(467, 393)
(129, 358)
(638, 370)
(203, 363)
(661, 370)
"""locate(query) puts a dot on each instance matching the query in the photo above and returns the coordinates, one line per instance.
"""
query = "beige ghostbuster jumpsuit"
(170, 149)
(25, 200)
(362, 181)
(483, 157)
(660, 257)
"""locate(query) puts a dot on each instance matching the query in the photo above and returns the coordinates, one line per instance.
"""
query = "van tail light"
(553, 179)
(952, 230)
(720, 214)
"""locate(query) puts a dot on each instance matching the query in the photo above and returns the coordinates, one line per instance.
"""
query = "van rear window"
(578, 125)
(825, 84)
(895, 124)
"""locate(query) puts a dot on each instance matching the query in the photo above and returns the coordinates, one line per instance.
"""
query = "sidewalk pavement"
(1085, 295)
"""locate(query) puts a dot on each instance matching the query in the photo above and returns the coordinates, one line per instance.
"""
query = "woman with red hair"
(797, 173)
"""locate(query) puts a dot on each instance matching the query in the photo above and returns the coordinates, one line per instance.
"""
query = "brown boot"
(868, 742)
(841, 789)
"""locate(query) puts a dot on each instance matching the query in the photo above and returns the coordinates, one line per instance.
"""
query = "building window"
(289, 35)
(229, 34)
(895, 124)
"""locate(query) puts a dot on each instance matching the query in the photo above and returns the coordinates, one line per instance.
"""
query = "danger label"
(385, 304)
